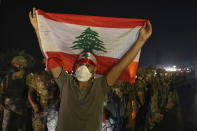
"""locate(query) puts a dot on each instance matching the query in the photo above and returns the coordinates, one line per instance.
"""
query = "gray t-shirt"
(81, 110)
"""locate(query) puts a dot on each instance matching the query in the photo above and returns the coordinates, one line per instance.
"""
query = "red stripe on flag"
(96, 21)
(64, 59)
(88, 61)
(104, 64)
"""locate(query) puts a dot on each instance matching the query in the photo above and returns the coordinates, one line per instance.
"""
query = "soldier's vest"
(140, 85)
(15, 88)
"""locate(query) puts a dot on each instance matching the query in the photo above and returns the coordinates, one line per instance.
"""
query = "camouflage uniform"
(130, 93)
(37, 82)
(151, 96)
(140, 86)
(156, 99)
(172, 92)
(167, 89)
(160, 94)
(13, 97)
(163, 88)
(1, 112)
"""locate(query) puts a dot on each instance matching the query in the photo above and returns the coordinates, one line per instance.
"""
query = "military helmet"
(19, 60)
(151, 67)
(161, 71)
(140, 71)
(148, 71)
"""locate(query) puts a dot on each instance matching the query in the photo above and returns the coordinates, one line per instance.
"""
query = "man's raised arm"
(32, 16)
(114, 74)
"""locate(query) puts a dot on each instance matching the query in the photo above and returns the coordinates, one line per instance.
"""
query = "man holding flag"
(82, 96)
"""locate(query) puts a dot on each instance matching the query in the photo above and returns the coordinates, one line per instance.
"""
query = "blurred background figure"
(13, 97)
(43, 97)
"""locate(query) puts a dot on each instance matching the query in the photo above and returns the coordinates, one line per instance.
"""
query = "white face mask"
(83, 74)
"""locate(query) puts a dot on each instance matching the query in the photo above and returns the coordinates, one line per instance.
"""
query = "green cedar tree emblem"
(88, 41)
(86, 55)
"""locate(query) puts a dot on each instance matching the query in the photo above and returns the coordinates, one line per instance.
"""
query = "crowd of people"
(142, 105)
(30, 101)
(56, 100)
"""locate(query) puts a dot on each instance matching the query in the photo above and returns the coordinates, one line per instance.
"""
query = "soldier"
(172, 92)
(164, 88)
(140, 86)
(39, 83)
(167, 84)
(148, 95)
(130, 94)
(150, 82)
(160, 80)
(1, 108)
(175, 81)
(14, 95)
(155, 100)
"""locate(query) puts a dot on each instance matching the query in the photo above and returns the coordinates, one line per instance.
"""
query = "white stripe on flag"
(59, 37)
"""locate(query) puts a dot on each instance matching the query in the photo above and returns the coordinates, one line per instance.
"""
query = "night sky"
(174, 38)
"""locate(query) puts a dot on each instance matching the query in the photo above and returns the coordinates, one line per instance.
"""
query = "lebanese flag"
(60, 32)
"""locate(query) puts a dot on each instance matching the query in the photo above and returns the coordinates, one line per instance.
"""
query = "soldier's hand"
(33, 19)
(107, 123)
(35, 109)
(1, 107)
(145, 31)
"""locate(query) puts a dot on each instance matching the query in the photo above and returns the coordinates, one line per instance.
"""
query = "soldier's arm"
(1, 95)
(1, 91)
(1, 88)
(29, 97)
(140, 94)
(33, 104)
(32, 16)
(141, 99)
(116, 71)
